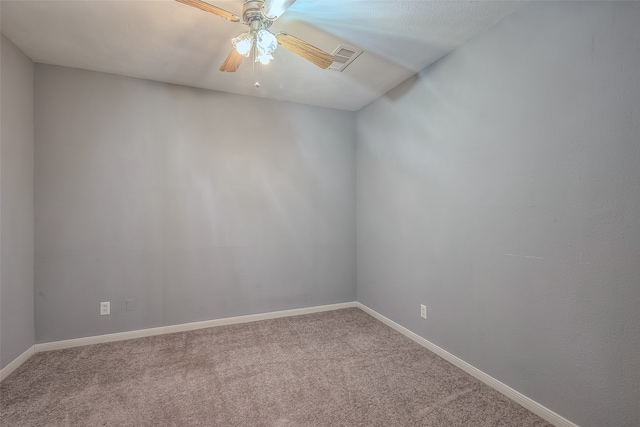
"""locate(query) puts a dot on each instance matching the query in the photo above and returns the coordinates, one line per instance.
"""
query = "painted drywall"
(195, 204)
(501, 188)
(16, 203)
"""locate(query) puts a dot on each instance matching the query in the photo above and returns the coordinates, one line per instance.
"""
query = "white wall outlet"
(129, 304)
(423, 311)
(105, 308)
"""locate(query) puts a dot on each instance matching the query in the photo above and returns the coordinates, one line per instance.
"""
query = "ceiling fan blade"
(232, 62)
(309, 52)
(272, 9)
(211, 9)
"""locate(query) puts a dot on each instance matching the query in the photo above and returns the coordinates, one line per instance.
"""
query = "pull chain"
(256, 68)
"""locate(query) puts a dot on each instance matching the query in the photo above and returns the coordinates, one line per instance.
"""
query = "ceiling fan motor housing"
(252, 15)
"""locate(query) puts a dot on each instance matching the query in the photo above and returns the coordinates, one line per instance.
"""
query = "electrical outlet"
(129, 304)
(105, 308)
(423, 311)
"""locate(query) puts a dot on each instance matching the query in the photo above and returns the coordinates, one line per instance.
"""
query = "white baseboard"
(15, 363)
(542, 411)
(58, 345)
(120, 336)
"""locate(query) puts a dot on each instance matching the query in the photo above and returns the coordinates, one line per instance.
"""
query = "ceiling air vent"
(343, 56)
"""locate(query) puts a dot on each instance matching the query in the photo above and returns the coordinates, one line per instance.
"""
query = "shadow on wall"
(403, 88)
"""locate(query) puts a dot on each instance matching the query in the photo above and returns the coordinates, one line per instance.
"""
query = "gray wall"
(195, 204)
(501, 187)
(16, 203)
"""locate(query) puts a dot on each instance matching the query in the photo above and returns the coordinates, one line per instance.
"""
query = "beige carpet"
(339, 368)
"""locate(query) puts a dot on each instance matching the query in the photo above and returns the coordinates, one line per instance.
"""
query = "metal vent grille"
(343, 56)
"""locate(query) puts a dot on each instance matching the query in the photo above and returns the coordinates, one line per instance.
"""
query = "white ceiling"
(171, 42)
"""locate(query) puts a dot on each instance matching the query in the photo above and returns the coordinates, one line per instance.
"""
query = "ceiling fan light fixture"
(243, 44)
(266, 42)
(264, 59)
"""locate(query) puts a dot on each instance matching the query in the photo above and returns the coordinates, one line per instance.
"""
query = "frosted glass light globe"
(266, 42)
(243, 44)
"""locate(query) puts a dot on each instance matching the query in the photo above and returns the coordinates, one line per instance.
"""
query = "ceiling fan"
(258, 15)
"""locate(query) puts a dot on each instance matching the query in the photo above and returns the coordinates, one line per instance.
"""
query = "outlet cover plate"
(105, 308)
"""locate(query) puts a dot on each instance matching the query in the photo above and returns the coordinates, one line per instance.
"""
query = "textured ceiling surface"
(170, 42)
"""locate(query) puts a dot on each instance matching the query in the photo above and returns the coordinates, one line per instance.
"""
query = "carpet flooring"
(337, 368)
